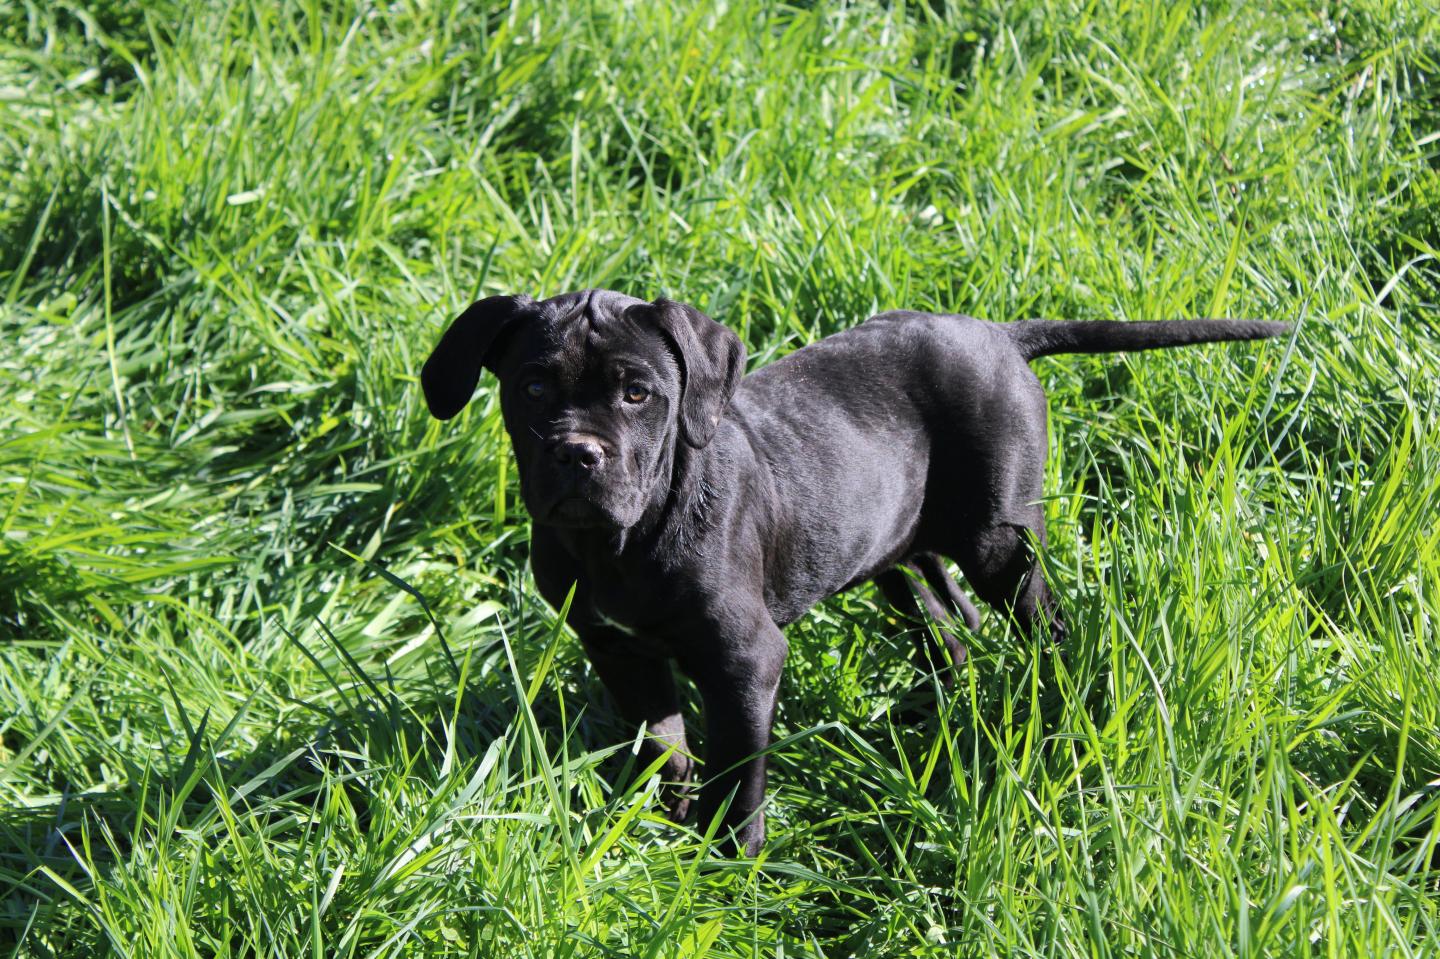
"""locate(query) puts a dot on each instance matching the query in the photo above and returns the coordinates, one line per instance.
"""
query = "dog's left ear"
(450, 374)
(712, 360)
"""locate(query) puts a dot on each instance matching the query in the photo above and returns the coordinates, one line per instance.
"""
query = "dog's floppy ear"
(712, 360)
(450, 374)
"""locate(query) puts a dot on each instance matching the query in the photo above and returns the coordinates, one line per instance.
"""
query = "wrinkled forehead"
(591, 302)
(588, 331)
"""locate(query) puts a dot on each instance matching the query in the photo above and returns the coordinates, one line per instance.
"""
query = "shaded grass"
(228, 236)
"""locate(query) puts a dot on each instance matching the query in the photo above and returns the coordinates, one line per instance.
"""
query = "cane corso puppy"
(697, 510)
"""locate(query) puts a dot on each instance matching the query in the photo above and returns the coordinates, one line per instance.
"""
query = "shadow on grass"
(56, 850)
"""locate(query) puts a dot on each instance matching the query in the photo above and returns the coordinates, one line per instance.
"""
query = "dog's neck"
(684, 512)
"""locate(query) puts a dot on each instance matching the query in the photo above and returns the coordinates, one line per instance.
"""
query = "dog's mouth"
(577, 512)
(578, 503)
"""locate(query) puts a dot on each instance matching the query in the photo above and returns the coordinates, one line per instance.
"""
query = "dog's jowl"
(697, 510)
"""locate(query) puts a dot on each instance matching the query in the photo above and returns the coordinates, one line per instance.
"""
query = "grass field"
(274, 680)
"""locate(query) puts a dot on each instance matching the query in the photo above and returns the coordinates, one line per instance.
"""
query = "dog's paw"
(676, 803)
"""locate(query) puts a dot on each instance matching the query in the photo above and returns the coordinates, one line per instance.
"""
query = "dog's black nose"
(583, 451)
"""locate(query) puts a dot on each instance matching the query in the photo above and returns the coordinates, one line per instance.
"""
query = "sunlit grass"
(274, 680)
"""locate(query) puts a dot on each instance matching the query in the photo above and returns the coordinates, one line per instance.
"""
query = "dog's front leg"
(738, 675)
(644, 693)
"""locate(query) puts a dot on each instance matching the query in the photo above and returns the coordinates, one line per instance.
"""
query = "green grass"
(230, 726)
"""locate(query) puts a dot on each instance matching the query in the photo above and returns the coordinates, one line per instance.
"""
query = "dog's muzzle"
(578, 465)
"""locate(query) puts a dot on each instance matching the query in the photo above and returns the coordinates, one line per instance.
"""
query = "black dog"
(697, 512)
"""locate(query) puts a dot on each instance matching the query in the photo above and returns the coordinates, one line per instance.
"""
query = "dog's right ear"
(450, 374)
(712, 361)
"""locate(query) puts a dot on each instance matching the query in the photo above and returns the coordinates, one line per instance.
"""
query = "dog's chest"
(626, 607)
(627, 625)
(631, 617)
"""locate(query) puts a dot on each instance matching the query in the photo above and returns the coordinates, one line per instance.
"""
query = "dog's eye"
(635, 393)
(535, 389)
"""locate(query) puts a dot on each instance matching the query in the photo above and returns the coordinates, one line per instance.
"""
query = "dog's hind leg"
(943, 585)
(999, 563)
(915, 589)
(997, 521)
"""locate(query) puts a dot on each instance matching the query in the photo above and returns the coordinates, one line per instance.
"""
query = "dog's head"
(596, 389)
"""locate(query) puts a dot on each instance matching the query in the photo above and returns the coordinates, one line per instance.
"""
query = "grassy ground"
(273, 678)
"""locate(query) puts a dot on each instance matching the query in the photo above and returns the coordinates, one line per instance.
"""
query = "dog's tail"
(1047, 337)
